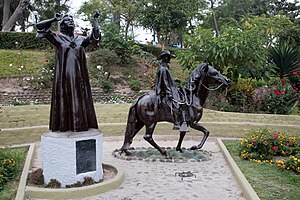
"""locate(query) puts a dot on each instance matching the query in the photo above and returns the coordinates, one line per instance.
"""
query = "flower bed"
(265, 146)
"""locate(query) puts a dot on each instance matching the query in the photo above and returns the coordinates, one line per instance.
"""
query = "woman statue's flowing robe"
(72, 106)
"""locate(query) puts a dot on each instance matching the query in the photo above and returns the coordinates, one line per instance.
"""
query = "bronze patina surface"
(72, 106)
(152, 108)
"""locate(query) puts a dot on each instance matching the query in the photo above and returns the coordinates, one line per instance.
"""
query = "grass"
(113, 118)
(267, 180)
(12, 60)
(10, 189)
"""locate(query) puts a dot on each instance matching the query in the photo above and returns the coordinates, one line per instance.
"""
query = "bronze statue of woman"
(72, 106)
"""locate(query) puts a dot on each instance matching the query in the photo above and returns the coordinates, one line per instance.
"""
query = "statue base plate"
(69, 157)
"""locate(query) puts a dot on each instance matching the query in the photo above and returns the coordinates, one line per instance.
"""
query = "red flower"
(296, 89)
(275, 135)
(282, 80)
(295, 73)
(46, 61)
(274, 148)
(298, 97)
(261, 91)
(276, 92)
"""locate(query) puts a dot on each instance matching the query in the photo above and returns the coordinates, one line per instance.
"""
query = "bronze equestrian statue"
(145, 112)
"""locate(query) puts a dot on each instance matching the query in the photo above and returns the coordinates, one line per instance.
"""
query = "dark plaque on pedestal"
(85, 156)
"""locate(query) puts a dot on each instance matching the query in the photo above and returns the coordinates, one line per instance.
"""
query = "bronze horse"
(145, 111)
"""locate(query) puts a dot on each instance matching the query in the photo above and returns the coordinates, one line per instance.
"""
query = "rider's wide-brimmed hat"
(166, 52)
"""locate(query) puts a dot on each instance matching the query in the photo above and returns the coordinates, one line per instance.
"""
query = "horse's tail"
(134, 124)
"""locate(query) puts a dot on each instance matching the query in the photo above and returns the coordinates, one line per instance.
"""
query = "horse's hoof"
(179, 149)
(194, 147)
(127, 153)
(167, 156)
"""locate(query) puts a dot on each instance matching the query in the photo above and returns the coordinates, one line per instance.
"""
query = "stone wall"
(27, 96)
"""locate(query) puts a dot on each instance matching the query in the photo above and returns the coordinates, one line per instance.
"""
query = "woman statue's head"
(67, 24)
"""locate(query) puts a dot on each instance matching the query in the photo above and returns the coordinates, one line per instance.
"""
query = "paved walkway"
(157, 180)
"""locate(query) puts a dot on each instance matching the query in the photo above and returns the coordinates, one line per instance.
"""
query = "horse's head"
(213, 76)
(205, 74)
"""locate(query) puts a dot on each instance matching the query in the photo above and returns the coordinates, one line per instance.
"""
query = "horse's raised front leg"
(148, 138)
(198, 127)
(181, 136)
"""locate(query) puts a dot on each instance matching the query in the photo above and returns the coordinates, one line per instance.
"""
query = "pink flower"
(295, 73)
(261, 91)
(298, 97)
(253, 141)
(288, 144)
(296, 89)
(282, 92)
(275, 135)
(282, 80)
(274, 148)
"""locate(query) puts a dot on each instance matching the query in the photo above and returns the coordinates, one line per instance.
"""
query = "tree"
(164, 16)
(9, 22)
(117, 10)
(238, 49)
(46, 9)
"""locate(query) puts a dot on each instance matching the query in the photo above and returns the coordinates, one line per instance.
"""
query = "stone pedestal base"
(68, 157)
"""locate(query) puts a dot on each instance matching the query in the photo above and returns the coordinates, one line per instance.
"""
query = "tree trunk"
(126, 30)
(23, 4)
(214, 18)
(6, 11)
(117, 19)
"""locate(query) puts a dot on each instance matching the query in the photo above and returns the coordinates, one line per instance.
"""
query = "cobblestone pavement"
(157, 180)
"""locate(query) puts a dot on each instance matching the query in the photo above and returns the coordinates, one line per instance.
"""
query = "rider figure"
(165, 87)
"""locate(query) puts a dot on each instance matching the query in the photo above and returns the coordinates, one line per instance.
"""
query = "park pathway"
(157, 180)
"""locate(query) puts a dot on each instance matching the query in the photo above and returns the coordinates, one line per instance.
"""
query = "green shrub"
(135, 85)
(114, 40)
(17, 102)
(9, 162)
(155, 50)
(292, 163)
(241, 98)
(107, 86)
(280, 99)
(294, 80)
(21, 40)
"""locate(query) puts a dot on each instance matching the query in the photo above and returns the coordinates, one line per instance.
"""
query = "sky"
(141, 35)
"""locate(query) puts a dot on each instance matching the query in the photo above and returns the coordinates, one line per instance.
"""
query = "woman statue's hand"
(97, 14)
(58, 16)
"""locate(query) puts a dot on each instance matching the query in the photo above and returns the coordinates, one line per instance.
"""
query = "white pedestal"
(69, 156)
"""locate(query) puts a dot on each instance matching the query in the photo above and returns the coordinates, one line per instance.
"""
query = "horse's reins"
(210, 88)
(191, 89)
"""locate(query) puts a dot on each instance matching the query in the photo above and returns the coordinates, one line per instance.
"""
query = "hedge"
(22, 40)
(155, 50)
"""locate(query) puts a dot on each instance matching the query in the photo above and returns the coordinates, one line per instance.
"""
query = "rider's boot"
(176, 125)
